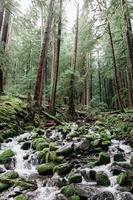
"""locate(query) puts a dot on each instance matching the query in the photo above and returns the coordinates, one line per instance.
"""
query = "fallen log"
(58, 122)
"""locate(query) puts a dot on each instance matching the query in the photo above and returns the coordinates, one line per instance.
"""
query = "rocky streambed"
(68, 162)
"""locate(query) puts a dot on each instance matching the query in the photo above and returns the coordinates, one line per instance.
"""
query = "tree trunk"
(56, 59)
(115, 68)
(38, 95)
(1, 13)
(1, 81)
(71, 109)
(129, 40)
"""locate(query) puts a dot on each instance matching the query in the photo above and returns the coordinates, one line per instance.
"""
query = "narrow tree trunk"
(1, 81)
(38, 96)
(115, 68)
(99, 80)
(71, 110)
(1, 13)
(55, 65)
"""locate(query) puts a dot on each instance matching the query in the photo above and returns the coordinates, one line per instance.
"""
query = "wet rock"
(85, 191)
(45, 169)
(116, 169)
(4, 187)
(6, 155)
(104, 196)
(8, 140)
(2, 170)
(68, 190)
(10, 163)
(26, 146)
(125, 196)
(75, 178)
(58, 181)
(92, 175)
(84, 145)
(119, 157)
(26, 156)
(102, 179)
(104, 158)
(125, 179)
(65, 150)
(10, 175)
(60, 197)
(63, 169)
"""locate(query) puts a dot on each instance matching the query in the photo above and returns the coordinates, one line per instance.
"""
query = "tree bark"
(129, 39)
(115, 67)
(71, 109)
(38, 95)
(56, 59)
(1, 81)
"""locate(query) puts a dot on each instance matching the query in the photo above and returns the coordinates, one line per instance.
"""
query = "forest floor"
(92, 157)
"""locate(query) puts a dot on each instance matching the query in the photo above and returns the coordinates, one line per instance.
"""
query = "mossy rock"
(53, 147)
(45, 169)
(121, 179)
(38, 141)
(102, 179)
(75, 178)
(51, 156)
(21, 197)
(104, 159)
(41, 146)
(10, 175)
(1, 139)
(68, 190)
(119, 157)
(4, 187)
(63, 169)
(75, 197)
(5, 155)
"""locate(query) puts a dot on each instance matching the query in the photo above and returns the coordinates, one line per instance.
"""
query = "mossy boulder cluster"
(6, 155)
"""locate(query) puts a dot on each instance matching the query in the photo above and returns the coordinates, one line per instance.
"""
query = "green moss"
(104, 158)
(38, 141)
(10, 175)
(75, 197)
(52, 147)
(45, 169)
(122, 179)
(68, 190)
(3, 187)
(41, 146)
(5, 155)
(63, 169)
(75, 178)
(102, 179)
(21, 197)
(51, 156)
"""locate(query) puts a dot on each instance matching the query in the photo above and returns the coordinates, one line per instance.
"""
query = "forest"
(66, 100)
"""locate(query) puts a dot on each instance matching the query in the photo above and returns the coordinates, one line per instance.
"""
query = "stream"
(25, 164)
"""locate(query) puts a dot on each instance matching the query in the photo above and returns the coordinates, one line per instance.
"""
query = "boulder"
(63, 169)
(104, 196)
(45, 169)
(6, 155)
(102, 179)
(92, 175)
(75, 197)
(118, 157)
(68, 190)
(26, 146)
(125, 179)
(10, 163)
(60, 197)
(84, 191)
(104, 159)
(75, 178)
(65, 150)
(2, 170)
(116, 169)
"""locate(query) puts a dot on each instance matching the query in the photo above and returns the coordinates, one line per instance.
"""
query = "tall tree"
(38, 95)
(71, 109)
(56, 58)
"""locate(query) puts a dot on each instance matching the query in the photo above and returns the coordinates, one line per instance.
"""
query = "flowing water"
(27, 168)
